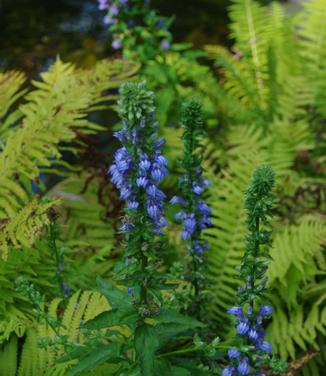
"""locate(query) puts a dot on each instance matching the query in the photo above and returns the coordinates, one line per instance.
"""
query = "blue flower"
(116, 44)
(253, 334)
(114, 9)
(132, 205)
(108, 20)
(165, 44)
(103, 4)
(235, 311)
(266, 346)
(244, 367)
(144, 164)
(152, 210)
(233, 353)
(198, 189)
(141, 182)
(265, 310)
(229, 371)
(242, 328)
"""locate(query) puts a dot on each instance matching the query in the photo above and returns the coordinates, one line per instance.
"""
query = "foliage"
(34, 360)
(59, 213)
(270, 111)
(252, 351)
(51, 116)
(137, 169)
(138, 30)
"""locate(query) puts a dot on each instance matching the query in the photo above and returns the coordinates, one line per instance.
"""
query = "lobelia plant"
(252, 353)
(136, 29)
(137, 170)
(194, 213)
(138, 295)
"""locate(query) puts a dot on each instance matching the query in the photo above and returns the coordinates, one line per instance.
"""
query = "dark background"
(34, 32)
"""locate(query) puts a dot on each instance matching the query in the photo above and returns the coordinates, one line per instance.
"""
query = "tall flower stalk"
(194, 213)
(137, 170)
(251, 352)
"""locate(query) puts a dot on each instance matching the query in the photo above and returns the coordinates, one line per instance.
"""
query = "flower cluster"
(195, 217)
(252, 351)
(195, 214)
(139, 165)
(135, 28)
(249, 328)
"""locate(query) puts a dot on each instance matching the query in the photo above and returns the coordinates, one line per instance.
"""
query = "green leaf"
(179, 371)
(116, 297)
(98, 356)
(165, 332)
(146, 343)
(171, 316)
(124, 315)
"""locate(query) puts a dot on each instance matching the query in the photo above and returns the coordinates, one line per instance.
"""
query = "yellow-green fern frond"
(10, 84)
(296, 250)
(23, 227)
(312, 30)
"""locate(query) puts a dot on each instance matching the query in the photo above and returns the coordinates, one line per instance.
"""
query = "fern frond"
(23, 228)
(312, 30)
(296, 329)
(52, 115)
(8, 358)
(248, 25)
(294, 256)
(10, 84)
(34, 360)
(82, 214)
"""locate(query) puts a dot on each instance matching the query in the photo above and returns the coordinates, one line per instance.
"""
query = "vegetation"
(138, 268)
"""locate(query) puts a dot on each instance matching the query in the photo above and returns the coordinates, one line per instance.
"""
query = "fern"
(37, 361)
(10, 84)
(54, 112)
(296, 250)
(82, 215)
(24, 227)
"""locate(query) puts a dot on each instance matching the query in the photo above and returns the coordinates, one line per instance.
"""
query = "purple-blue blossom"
(103, 4)
(116, 44)
(229, 371)
(137, 168)
(113, 9)
(243, 367)
(165, 44)
(249, 328)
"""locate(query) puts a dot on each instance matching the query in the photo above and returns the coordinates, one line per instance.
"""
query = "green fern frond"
(10, 92)
(295, 329)
(82, 214)
(24, 227)
(52, 115)
(8, 358)
(296, 246)
(313, 35)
